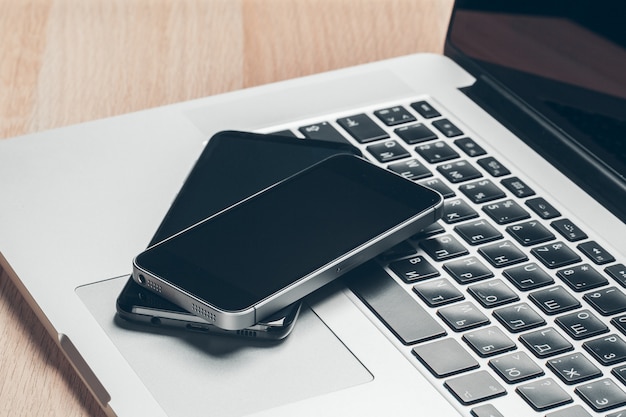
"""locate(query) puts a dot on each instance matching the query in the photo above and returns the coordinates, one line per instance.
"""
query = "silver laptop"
(514, 304)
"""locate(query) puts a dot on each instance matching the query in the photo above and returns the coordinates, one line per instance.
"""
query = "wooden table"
(68, 61)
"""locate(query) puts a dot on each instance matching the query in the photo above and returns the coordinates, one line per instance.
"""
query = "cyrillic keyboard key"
(439, 186)
(459, 171)
(362, 128)
(463, 316)
(608, 350)
(438, 292)
(400, 312)
(445, 357)
(546, 342)
(502, 254)
(436, 152)
(467, 270)
(574, 368)
(475, 387)
(411, 169)
(573, 411)
(492, 293)
(443, 247)
(528, 277)
(489, 341)
(486, 410)
(602, 395)
(413, 269)
(554, 300)
(581, 324)
(618, 273)
(516, 367)
(518, 317)
(478, 232)
(457, 210)
(543, 394)
(425, 110)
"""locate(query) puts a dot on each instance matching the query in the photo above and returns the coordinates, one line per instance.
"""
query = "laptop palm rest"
(199, 374)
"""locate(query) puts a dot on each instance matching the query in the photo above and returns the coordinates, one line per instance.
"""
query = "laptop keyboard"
(505, 300)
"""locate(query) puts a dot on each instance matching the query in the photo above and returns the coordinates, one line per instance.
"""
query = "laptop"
(513, 304)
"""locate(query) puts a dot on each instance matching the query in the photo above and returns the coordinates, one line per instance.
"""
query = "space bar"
(393, 304)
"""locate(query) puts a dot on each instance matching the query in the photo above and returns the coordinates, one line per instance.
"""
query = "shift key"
(397, 309)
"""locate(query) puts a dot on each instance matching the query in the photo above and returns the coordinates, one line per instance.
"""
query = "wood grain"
(68, 61)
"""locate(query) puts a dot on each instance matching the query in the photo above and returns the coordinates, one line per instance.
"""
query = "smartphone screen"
(233, 166)
(259, 247)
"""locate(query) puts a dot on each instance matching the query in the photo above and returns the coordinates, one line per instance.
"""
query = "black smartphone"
(232, 166)
(275, 247)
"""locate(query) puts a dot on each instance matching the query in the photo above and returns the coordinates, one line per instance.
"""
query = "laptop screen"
(566, 61)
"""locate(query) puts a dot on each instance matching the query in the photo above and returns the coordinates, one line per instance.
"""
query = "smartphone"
(273, 248)
(232, 166)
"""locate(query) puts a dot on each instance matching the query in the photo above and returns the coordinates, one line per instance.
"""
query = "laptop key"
(555, 255)
(568, 230)
(574, 368)
(554, 300)
(478, 232)
(608, 350)
(581, 324)
(481, 191)
(505, 212)
(425, 110)
(518, 187)
(388, 151)
(443, 247)
(459, 171)
(620, 323)
(528, 277)
(400, 312)
(618, 273)
(518, 318)
(394, 115)
(413, 269)
(543, 394)
(362, 128)
(439, 186)
(607, 301)
(502, 254)
(546, 342)
(457, 210)
(573, 411)
(448, 128)
(492, 293)
(322, 131)
(493, 166)
(485, 410)
(436, 152)
(467, 270)
(582, 277)
(475, 387)
(542, 208)
(602, 395)
(411, 169)
(596, 253)
(415, 133)
(530, 233)
(463, 316)
(470, 147)
(438, 292)
(489, 341)
(516, 367)
(445, 357)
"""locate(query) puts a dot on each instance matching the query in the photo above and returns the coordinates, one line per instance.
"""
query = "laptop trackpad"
(197, 375)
